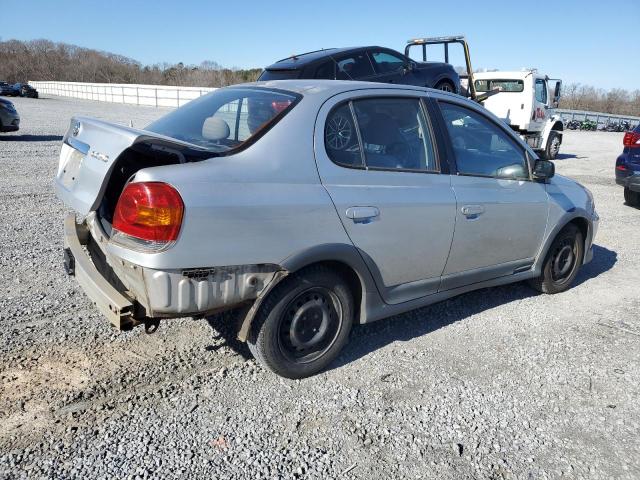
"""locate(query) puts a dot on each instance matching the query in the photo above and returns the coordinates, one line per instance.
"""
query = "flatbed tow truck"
(526, 100)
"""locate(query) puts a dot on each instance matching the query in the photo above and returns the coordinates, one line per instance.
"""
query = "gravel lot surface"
(497, 384)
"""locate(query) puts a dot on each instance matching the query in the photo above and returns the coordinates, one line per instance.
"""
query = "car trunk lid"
(89, 152)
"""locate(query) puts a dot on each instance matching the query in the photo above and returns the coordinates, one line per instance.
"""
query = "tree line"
(21, 61)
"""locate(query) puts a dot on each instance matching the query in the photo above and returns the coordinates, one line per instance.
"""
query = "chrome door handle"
(472, 211)
(362, 214)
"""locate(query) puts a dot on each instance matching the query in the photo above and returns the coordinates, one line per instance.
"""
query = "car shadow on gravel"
(225, 330)
(567, 156)
(368, 338)
(31, 138)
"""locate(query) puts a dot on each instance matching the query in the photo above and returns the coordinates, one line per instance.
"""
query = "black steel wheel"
(562, 262)
(303, 323)
(309, 325)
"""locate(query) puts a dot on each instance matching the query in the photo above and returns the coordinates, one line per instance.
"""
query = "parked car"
(310, 206)
(9, 118)
(628, 167)
(25, 90)
(372, 64)
(6, 89)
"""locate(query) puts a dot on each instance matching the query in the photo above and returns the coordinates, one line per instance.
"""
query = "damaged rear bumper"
(113, 304)
(129, 294)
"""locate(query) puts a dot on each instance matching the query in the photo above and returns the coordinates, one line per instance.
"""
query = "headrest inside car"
(215, 129)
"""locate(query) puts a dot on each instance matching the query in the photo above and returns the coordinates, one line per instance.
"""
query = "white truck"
(526, 101)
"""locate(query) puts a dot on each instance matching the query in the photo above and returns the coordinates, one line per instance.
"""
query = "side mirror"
(408, 67)
(543, 170)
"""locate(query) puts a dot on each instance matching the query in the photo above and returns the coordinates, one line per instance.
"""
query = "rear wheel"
(631, 198)
(303, 324)
(562, 262)
(445, 86)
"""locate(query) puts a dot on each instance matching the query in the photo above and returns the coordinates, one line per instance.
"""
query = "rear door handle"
(472, 211)
(363, 214)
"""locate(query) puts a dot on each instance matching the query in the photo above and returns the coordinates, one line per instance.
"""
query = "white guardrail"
(151, 95)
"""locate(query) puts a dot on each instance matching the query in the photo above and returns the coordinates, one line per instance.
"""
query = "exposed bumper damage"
(129, 294)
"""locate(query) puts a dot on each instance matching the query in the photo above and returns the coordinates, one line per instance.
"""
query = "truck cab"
(527, 102)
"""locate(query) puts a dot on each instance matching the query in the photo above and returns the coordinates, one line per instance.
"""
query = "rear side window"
(353, 67)
(326, 71)
(279, 75)
(482, 148)
(225, 119)
(381, 133)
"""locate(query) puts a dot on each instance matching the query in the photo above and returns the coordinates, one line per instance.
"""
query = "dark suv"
(374, 64)
(628, 167)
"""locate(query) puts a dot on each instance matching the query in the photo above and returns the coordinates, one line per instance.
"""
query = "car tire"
(562, 262)
(445, 86)
(303, 323)
(631, 198)
(553, 146)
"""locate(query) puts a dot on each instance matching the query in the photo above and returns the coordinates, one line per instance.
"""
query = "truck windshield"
(503, 85)
(226, 119)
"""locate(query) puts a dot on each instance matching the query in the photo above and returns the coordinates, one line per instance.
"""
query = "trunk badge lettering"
(100, 156)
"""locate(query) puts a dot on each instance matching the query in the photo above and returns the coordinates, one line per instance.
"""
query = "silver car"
(307, 206)
(9, 118)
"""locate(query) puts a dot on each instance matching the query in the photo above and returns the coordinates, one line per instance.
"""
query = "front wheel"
(303, 324)
(631, 198)
(563, 260)
(553, 146)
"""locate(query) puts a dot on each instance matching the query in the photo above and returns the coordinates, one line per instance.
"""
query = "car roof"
(328, 88)
(297, 61)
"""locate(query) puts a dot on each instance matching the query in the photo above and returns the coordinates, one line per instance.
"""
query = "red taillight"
(631, 139)
(149, 211)
(621, 167)
(279, 106)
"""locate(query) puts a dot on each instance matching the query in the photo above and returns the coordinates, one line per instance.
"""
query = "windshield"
(227, 118)
(503, 85)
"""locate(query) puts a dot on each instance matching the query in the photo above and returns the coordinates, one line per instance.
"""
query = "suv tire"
(303, 324)
(631, 198)
(562, 262)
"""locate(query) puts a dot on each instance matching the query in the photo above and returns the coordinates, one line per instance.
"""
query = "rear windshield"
(503, 85)
(279, 75)
(226, 119)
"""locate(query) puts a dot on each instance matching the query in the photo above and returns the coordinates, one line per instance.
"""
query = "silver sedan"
(307, 206)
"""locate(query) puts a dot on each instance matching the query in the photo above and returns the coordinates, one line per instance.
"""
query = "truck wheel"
(303, 324)
(562, 262)
(553, 146)
(631, 198)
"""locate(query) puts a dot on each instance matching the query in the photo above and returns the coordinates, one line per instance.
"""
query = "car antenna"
(344, 71)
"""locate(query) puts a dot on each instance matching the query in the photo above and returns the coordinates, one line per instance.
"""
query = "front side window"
(481, 147)
(393, 135)
(353, 67)
(541, 91)
(227, 118)
(386, 62)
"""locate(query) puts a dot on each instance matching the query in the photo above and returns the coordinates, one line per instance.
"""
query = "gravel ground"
(496, 384)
